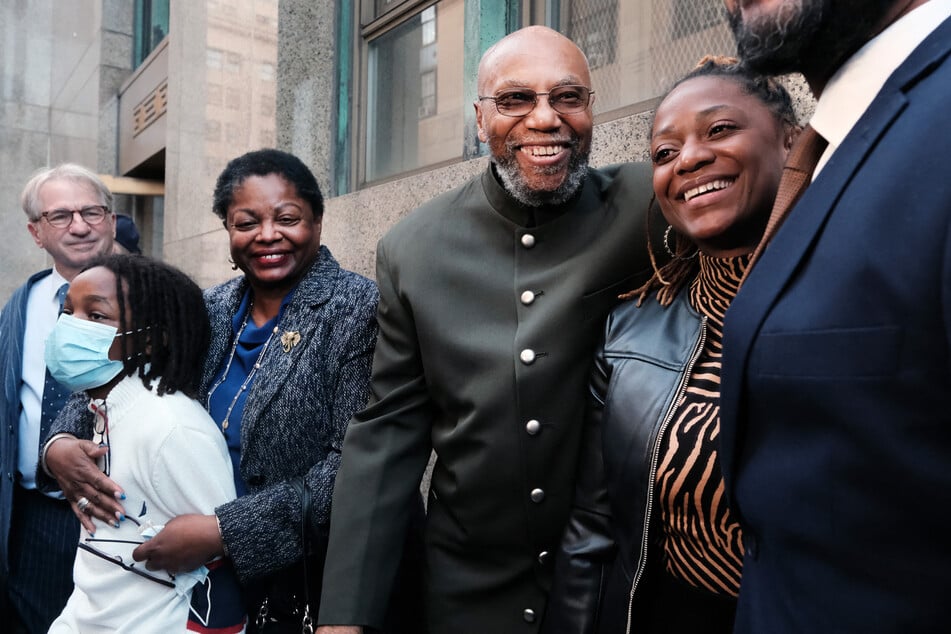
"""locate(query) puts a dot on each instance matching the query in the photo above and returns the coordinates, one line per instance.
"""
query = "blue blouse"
(250, 344)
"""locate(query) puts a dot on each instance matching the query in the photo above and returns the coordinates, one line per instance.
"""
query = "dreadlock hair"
(682, 267)
(263, 163)
(164, 312)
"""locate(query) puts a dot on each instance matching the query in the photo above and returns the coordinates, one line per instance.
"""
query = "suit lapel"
(222, 302)
(794, 240)
(299, 322)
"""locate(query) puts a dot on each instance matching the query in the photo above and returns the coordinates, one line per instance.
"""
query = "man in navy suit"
(69, 212)
(836, 387)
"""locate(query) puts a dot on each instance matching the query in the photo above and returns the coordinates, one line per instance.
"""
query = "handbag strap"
(299, 486)
(303, 492)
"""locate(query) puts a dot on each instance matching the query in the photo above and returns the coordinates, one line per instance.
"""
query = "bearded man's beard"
(808, 36)
(515, 183)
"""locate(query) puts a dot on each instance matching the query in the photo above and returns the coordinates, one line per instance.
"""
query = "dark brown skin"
(78, 458)
(188, 541)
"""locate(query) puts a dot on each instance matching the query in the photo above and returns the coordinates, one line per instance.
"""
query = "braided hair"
(683, 266)
(164, 313)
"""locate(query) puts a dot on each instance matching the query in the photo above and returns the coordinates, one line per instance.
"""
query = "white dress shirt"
(42, 310)
(854, 86)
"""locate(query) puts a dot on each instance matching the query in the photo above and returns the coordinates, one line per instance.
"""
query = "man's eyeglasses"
(62, 218)
(562, 99)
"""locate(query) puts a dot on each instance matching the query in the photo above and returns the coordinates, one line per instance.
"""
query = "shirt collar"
(854, 86)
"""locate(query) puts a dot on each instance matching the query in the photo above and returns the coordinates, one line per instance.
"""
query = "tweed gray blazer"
(296, 412)
(297, 409)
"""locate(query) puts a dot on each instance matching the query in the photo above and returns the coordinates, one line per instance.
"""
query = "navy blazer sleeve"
(76, 419)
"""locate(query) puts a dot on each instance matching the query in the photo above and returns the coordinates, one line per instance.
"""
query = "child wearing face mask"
(132, 336)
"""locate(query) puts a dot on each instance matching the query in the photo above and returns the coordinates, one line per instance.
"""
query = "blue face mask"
(77, 353)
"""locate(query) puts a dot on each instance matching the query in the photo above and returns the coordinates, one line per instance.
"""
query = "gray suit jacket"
(297, 409)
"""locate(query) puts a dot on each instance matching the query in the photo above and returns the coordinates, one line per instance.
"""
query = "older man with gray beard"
(492, 298)
(836, 386)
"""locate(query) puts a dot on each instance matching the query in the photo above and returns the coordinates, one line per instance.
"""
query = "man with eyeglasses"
(69, 216)
(492, 299)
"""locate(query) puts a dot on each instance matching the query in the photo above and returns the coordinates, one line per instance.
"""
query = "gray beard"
(808, 36)
(514, 183)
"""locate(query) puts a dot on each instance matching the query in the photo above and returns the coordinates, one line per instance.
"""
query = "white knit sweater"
(170, 459)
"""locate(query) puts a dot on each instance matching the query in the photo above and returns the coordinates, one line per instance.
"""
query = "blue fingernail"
(91, 533)
(116, 525)
(122, 496)
(121, 517)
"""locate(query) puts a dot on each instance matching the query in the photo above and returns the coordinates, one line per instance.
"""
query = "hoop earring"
(234, 267)
(667, 248)
(670, 251)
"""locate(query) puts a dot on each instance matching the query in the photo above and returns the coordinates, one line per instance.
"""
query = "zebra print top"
(702, 542)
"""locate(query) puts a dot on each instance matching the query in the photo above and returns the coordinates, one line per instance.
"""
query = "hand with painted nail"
(73, 463)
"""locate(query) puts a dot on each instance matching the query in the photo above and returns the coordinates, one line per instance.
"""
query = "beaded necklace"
(254, 369)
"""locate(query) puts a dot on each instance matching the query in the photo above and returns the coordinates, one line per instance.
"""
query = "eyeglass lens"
(562, 99)
(62, 218)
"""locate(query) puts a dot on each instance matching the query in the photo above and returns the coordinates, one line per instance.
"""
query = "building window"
(214, 58)
(592, 25)
(379, 8)
(414, 65)
(637, 48)
(151, 27)
(694, 29)
(266, 72)
(694, 16)
(414, 88)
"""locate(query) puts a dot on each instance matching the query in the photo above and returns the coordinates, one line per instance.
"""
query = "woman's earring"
(670, 251)
(234, 267)
(667, 248)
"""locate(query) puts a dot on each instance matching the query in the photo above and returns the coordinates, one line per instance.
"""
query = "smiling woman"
(718, 143)
(274, 233)
(287, 366)
(718, 154)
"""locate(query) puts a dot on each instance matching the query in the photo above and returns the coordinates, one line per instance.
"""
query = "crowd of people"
(706, 393)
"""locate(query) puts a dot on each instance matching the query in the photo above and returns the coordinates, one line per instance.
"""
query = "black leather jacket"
(639, 373)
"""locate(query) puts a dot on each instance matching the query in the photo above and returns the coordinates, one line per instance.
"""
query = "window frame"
(492, 20)
(486, 21)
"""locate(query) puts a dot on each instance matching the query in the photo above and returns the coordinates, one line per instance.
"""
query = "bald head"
(540, 155)
(539, 41)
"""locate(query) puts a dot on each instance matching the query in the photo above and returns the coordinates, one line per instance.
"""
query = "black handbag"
(293, 594)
